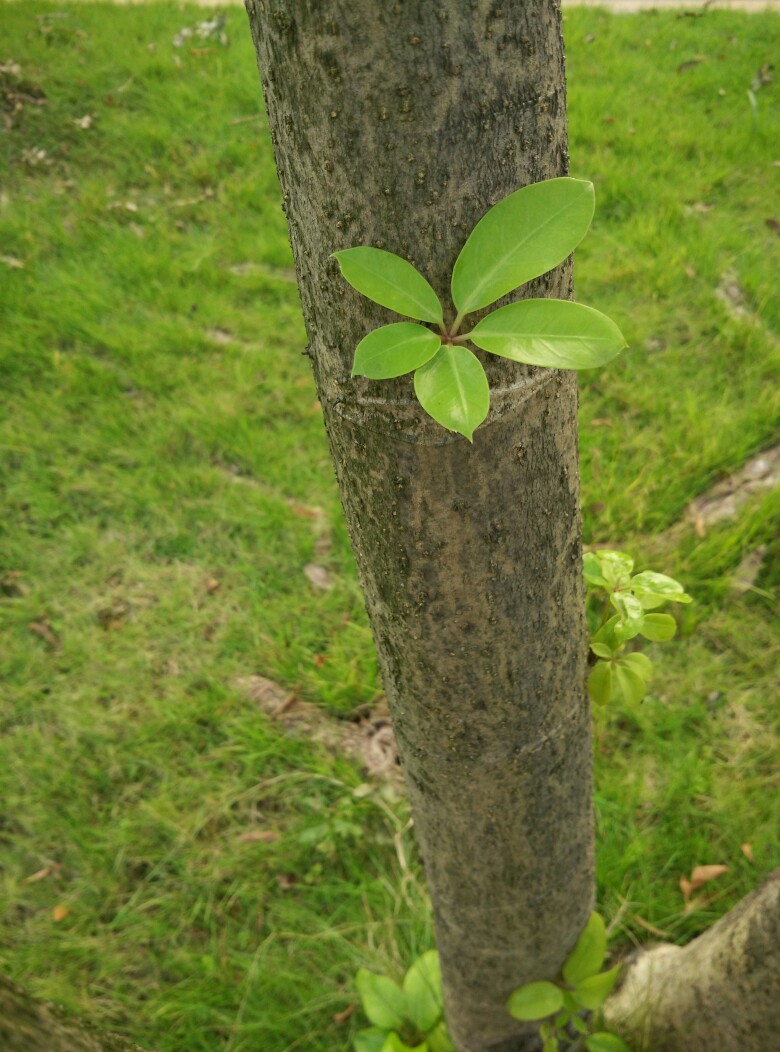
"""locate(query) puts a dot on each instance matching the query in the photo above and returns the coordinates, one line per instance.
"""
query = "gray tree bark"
(721, 991)
(397, 124)
(30, 1026)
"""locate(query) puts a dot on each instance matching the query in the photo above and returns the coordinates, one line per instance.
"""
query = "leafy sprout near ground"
(410, 1016)
(570, 1004)
(522, 237)
(407, 1016)
(619, 673)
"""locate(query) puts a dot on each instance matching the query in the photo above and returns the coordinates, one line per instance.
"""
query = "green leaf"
(659, 627)
(556, 334)
(383, 1000)
(640, 663)
(393, 1043)
(394, 350)
(627, 605)
(600, 683)
(453, 389)
(628, 682)
(604, 1042)
(602, 650)
(551, 1044)
(579, 1024)
(370, 1040)
(606, 634)
(525, 235)
(592, 993)
(615, 566)
(390, 280)
(422, 987)
(569, 1003)
(654, 589)
(589, 951)
(592, 568)
(632, 615)
(439, 1039)
(535, 1001)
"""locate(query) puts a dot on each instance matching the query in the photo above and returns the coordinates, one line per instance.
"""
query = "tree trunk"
(28, 1026)
(721, 991)
(397, 124)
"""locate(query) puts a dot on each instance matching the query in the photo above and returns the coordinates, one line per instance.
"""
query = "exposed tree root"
(721, 991)
(29, 1026)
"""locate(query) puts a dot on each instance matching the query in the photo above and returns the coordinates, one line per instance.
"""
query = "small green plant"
(566, 1005)
(410, 1016)
(618, 673)
(524, 235)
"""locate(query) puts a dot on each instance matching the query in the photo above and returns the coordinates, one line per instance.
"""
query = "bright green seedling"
(565, 1004)
(525, 235)
(406, 1017)
(619, 673)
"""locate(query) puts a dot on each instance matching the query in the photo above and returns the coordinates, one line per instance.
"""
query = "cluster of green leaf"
(410, 1016)
(619, 673)
(582, 990)
(523, 236)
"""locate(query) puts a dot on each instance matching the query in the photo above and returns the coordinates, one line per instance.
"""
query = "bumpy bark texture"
(28, 1026)
(398, 125)
(721, 991)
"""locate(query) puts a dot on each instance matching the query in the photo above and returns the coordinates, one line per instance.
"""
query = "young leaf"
(523, 236)
(604, 1042)
(556, 334)
(600, 683)
(628, 681)
(631, 615)
(589, 951)
(616, 567)
(659, 627)
(422, 986)
(640, 663)
(393, 350)
(551, 1044)
(592, 568)
(393, 1043)
(653, 589)
(607, 634)
(535, 1001)
(453, 389)
(439, 1039)
(592, 993)
(383, 1000)
(569, 1003)
(602, 650)
(579, 1025)
(370, 1040)
(391, 281)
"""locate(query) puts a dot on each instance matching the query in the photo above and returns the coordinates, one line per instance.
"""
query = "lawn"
(174, 863)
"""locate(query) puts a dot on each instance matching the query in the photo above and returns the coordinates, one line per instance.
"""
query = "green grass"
(160, 433)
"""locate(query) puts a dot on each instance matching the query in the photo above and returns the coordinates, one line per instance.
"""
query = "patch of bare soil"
(365, 737)
(726, 498)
